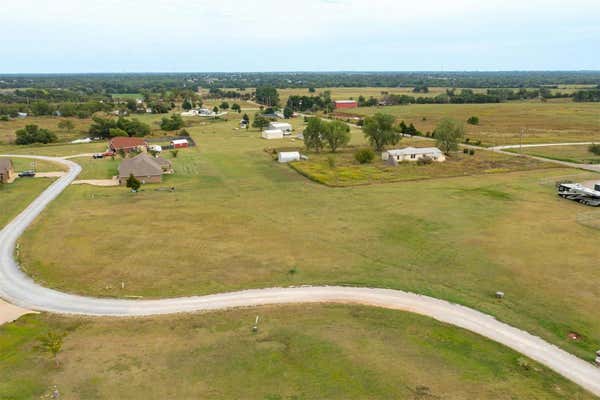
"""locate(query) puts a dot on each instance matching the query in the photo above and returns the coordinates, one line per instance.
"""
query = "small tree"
(66, 124)
(51, 343)
(595, 149)
(336, 134)
(473, 120)
(448, 134)
(287, 113)
(224, 105)
(187, 104)
(174, 153)
(216, 109)
(260, 122)
(133, 183)
(236, 107)
(364, 156)
(379, 131)
(313, 134)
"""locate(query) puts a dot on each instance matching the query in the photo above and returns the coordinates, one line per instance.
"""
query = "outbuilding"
(345, 104)
(288, 156)
(272, 134)
(127, 144)
(179, 143)
(282, 126)
(413, 154)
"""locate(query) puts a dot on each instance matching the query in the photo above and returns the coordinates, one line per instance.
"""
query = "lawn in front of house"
(298, 352)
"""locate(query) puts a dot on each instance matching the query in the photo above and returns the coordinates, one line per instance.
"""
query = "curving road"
(21, 290)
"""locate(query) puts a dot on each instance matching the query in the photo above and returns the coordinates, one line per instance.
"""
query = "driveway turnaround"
(19, 289)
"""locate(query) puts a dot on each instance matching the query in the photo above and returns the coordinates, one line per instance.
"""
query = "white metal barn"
(414, 154)
(282, 126)
(288, 156)
(272, 134)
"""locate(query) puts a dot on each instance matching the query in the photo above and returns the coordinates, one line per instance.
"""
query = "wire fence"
(579, 177)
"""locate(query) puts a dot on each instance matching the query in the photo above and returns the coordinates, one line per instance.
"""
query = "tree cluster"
(109, 127)
(319, 134)
(34, 134)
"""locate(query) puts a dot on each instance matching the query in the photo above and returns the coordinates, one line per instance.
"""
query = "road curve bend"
(19, 289)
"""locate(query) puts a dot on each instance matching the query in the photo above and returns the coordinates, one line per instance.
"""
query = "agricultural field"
(501, 123)
(579, 154)
(238, 220)
(299, 352)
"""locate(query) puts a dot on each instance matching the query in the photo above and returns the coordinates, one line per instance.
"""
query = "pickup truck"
(27, 174)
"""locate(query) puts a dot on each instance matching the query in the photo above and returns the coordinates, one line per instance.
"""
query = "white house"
(272, 134)
(414, 154)
(282, 126)
(288, 156)
(190, 113)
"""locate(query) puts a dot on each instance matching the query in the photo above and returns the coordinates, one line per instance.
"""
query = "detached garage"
(272, 134)
(179, 143)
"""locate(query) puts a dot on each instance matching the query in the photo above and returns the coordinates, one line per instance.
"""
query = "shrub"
(424, 160)
(133, 183)
(171, 123)
(364, 156)
(174, 153)
(473, 120)
(595, 148)
(4, 118)
(465, 151)
(471, 152)
(331, 162)
(184, 132)
(34, 134)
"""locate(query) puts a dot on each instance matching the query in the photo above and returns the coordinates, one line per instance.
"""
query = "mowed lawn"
(299, 352)
(501, 123)
(239, 220)
(14, 197)
(577, 153)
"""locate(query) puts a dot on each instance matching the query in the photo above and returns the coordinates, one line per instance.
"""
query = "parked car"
(27, 174)
(98, 155)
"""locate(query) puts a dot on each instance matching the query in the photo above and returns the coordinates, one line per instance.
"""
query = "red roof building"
(345, 104)
(127, 144)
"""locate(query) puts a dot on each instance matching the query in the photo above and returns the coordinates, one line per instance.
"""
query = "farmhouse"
(272, 134)
(127, 144)
(288, 156)
(413, 154)
(179, 143)
(345, 104)
(7, 170)
(190, 113)
(144, 167)
(282, 126)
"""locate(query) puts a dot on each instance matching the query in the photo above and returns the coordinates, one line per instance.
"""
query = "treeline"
(107, 84)
(592, 95)
(39, 108)
(465, 96)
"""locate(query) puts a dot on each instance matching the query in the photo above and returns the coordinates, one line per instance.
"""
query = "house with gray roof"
(144, 167)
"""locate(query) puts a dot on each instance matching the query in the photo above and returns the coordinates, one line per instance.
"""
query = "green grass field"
(299, 352)
(239, 220)
(577, 154)
(501, 124)
(14, 197)
(8, 128)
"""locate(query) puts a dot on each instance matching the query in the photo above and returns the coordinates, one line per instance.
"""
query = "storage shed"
(272, 134)
(282, 126)
(179, 143)
(288, 156)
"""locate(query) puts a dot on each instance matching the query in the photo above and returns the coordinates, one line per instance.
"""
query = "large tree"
(313, 134)
(448, 134)
(379, 131)
(267, 95)
(336, 134)
(260, 122)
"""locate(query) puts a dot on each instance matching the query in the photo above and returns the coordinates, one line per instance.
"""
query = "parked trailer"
(580, 193)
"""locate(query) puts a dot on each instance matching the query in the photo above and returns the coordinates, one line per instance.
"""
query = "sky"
(66, 36)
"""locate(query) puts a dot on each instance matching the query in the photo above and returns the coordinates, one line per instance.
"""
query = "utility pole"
(521, 142)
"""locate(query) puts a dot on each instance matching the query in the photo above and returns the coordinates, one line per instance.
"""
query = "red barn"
(345, 104)
(179, 143)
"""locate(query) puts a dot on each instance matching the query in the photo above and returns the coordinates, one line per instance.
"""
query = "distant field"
(54, 149)
(8, 128)
(23, 164)
(299, 352)
(577, 154)
(127, 96)
(502, 123)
